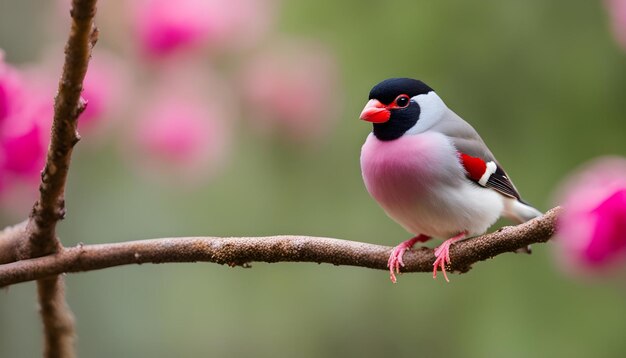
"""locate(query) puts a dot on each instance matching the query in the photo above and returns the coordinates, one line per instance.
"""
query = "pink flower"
(4, 102)
(22, 141)
(164, 27)
(293, 90)
(105, 88)
(10, 89)
(592, 228)
(617, 12)
(180, 138)
(24, 152)
(24, 129)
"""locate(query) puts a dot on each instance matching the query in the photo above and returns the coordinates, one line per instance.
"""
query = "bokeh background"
(276, 150)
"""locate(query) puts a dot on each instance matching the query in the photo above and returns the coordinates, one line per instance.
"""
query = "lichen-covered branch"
(242, 250)
(50, 207)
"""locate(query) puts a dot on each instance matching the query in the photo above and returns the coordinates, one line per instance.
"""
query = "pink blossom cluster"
(288, 86)
(24, 123)
(154, 79)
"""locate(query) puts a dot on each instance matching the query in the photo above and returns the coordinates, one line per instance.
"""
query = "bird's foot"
(395, 259)
(442, 254)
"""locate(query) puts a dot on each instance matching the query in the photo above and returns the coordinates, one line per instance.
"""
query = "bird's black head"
(391, 109)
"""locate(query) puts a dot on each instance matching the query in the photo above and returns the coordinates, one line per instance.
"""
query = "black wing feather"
(500, 182)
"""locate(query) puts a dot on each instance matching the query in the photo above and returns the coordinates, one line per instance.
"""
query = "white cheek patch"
(432, 109)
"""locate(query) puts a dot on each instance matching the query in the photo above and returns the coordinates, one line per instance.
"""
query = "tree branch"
(68, 105)
(242, 250)
(50, 208)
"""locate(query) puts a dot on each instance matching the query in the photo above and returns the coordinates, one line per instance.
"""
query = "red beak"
(375, 112)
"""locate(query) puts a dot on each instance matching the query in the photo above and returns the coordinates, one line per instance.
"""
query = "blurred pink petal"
(292, 89)
(164, 27)
(609, 235)
(592, 229)
(179, 136)
(10, 89)
(4, 102)
(24, 153)
(617, 13)
(24, 128)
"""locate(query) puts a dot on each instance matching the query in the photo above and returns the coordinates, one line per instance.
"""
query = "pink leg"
(442, 254)
(395, 259)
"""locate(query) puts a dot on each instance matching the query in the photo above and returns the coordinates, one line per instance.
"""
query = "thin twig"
(68, 105)
(242, 250)
(57, 318)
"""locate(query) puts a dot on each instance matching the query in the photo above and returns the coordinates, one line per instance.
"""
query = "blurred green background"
(544, 84)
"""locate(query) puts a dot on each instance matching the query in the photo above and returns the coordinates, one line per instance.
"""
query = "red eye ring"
(402, 101)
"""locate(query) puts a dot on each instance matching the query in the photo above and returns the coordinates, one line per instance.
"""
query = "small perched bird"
(431, 172)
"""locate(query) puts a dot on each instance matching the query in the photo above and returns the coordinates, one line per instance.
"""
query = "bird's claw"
(395, 258)
(443, 258)
(442, 254)
(395, 261)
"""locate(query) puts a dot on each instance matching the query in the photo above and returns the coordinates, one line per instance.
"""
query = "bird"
(431, 172)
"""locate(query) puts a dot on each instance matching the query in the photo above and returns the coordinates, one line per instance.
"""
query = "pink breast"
(402, 172)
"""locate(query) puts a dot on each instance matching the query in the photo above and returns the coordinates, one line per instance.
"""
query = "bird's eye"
(402, 101)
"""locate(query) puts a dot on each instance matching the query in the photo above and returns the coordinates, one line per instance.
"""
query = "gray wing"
(467, 141)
